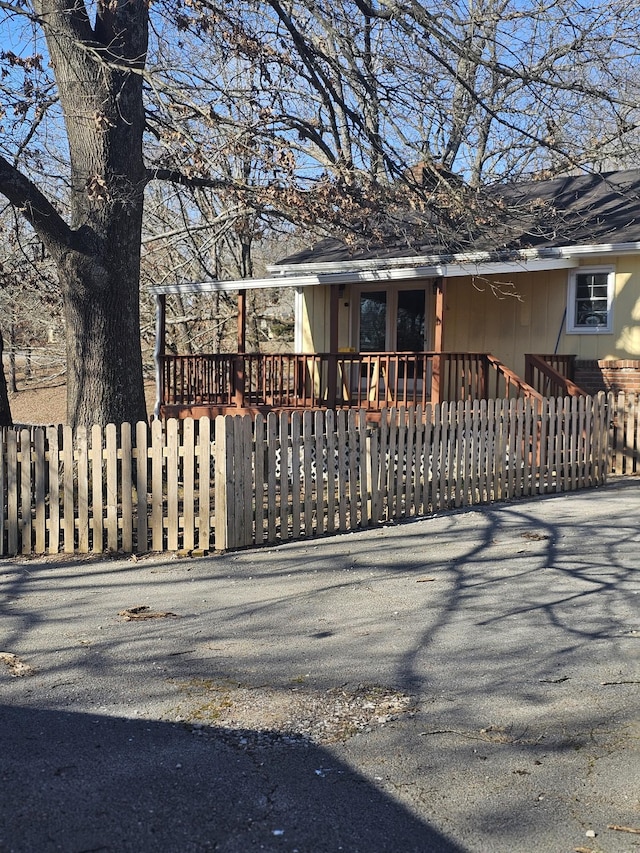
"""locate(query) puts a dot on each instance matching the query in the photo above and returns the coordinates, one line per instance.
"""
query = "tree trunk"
(5, 408)
(104, 358)
(101, 97)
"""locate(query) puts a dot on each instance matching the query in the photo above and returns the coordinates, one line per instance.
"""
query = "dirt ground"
(47, 404)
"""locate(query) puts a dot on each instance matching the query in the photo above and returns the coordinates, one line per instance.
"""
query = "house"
(542, 297)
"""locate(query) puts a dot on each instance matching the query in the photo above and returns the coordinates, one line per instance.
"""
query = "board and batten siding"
(480, 318)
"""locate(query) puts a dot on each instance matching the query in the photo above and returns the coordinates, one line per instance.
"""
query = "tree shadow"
(82, 782)
(505, 623)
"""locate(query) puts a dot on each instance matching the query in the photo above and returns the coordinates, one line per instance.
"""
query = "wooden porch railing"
(552, 375)
(372, 381)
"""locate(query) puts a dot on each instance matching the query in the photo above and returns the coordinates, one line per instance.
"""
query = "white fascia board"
(368, 275)
(600, 249)
(518, 261)
(214, 286)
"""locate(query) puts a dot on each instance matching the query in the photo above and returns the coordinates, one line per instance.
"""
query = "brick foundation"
(610, 375)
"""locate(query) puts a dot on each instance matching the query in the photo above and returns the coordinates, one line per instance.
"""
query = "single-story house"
(546, 301)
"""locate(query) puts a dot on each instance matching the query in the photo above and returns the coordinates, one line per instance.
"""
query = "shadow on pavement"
(79, 782)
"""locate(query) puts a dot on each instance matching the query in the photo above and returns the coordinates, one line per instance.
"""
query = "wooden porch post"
(161, 329)
(242, 321)
(238, 373)
(437, 376)
(332, 379)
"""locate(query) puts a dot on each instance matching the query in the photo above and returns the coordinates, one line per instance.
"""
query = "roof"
(534, 225)
(573, 210)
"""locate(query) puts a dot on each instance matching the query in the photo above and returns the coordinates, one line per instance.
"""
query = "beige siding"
(626, 312)
(481, 316)
(506, 316)
(316, 315)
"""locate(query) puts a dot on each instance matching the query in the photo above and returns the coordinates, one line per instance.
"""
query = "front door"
(392, 320)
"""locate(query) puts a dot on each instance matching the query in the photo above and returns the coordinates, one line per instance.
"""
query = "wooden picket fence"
(624, 421)
(237, 481)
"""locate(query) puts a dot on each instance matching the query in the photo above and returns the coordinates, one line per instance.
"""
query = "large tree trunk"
(99, 76)
(5, 408)
(104, 359)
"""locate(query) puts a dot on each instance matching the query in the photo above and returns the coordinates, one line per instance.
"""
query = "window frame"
(572, 294)
(392, 291)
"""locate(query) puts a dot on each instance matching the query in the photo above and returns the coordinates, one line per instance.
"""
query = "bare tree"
(335, 115)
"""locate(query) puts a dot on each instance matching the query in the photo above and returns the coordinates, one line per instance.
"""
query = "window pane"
(592, 299)
(373, 321)
(410, 324)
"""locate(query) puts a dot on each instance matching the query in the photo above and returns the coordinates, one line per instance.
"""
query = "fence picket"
(157, 476)
(400, 465)
(245, 433)
(306, 473)
(332, 462)
(12, 491)
(458, 459)
(483, 427)
(434, 458)
(126, 487)
(408, 467)
(352, 433)
(566, 444)
(272, 462)
(40, 494)
(320, 453)
(296, 488)
(205, 462)
(221, 492)
(82, 444)
(618, 419)
(235, 481)
(142, 459)
(364, 472)
(111, 455)
(285, 466)
(25, 490)
(382, 474)
(54, 492)
(259, 477)
(68, 505)
(472, 427)
(188, 484)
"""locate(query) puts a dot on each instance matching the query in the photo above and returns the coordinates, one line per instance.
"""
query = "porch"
(247, 383)
(241, 382)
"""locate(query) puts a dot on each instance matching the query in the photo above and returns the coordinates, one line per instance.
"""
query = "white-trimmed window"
(590, 300)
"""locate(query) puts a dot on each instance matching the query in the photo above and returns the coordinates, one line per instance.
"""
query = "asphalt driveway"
(467, 682)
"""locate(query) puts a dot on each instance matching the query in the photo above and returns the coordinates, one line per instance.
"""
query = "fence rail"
(238, 481)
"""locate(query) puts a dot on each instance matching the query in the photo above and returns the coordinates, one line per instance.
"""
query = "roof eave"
(455, 260)
(405, 269)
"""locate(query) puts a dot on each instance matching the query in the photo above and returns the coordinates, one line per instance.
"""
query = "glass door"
(373, 321)
(392, 321)
(410, 321)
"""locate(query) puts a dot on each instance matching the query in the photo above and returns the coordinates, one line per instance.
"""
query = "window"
(590, 300)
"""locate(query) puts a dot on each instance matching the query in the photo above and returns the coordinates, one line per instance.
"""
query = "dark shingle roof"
(567, 211)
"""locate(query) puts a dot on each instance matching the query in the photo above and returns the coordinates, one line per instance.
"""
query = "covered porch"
(210, 384)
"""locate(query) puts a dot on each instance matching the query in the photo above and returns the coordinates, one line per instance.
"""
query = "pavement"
(510, 632)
